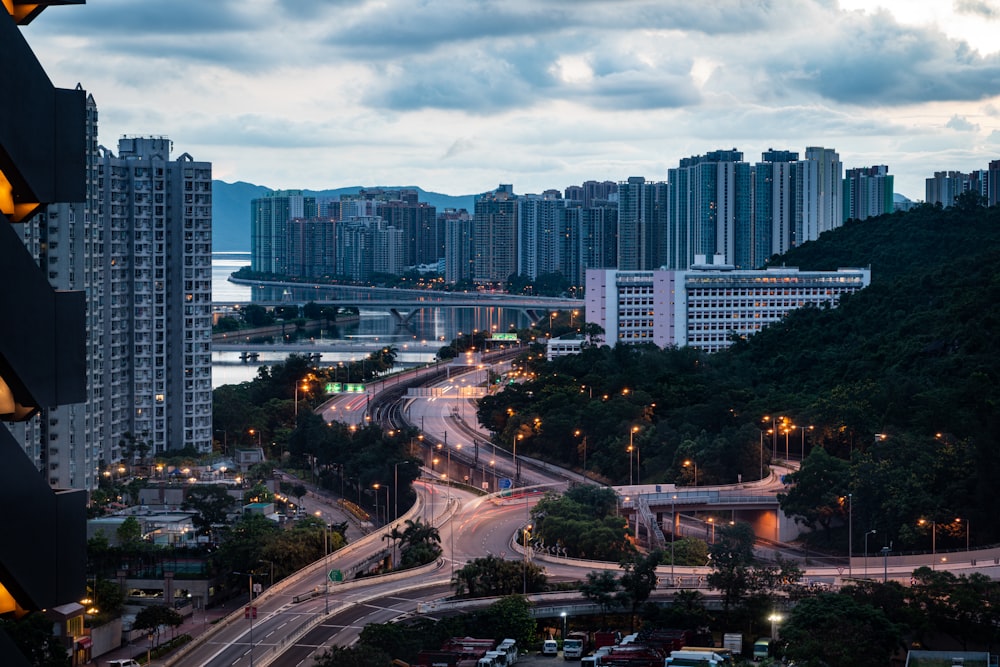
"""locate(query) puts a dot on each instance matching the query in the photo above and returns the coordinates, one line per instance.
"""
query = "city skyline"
(456, 97)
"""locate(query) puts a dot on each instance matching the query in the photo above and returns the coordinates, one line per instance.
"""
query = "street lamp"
(249, 613)
(775, 618)
(802, 455)
(673, 529)
(761, 454)
(305, 388)
(870, 532)
(850, 534)
(689, 463)
(578, 433)
(631, 449)
(517, 469)
(923, 522)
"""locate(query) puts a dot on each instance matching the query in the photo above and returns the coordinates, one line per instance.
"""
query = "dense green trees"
(419, 543)
(493, 576)
(899, 383)
(583, 522)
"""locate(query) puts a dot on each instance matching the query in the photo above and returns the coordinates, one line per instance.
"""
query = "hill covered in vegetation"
(897, 386)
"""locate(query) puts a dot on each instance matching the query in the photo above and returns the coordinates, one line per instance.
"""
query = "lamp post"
(850, 534)
(517, 469)
(691, 462)
(631, 449)
(249, 614)
(526, 538)
(923, 522)
(775, 618)
(305, 388)
(802, 455)
(761, 454)
(870, 532)
(673, 529)
(326, 568)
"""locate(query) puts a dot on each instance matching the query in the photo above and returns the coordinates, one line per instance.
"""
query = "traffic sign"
(336, 576)
(505, 483)
(250, 612)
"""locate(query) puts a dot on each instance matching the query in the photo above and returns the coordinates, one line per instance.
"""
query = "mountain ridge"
(231, 208)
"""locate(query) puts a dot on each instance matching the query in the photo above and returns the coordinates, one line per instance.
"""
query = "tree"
(359, 655)
(833, 629)
(153, 618)
(212, 504)
(731, 557)
(638, 580)
(509, 616)
(817, 489)
(601, 588)
(129, 532)
(491, 576)
(34, 638)
(419, 543)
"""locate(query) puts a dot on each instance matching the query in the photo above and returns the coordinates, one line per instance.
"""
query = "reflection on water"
(417, 341)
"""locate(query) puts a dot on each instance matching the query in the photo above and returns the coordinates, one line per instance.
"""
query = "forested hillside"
(898, 384)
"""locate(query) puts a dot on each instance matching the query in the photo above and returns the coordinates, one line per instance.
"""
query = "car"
(123, 662)
(550, 647)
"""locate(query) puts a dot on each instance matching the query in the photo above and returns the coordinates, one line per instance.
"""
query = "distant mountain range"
(231, 208)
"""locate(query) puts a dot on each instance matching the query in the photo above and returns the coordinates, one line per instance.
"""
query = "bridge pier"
(402, 320)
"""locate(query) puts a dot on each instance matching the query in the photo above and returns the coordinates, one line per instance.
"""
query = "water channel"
(417, 342)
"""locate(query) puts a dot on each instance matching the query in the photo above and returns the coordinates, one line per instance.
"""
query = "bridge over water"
(401, 302)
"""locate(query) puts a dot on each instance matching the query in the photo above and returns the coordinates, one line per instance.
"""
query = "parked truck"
(734, 642)
(575, 645)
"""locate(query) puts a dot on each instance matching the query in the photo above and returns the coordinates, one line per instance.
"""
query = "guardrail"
(298, 578)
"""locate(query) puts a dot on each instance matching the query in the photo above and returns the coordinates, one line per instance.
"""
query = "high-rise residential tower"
(140, 248)
(710, 208)
(459, 249)
(867, 192)
(945, 186)
(774, 209)
(269, 216)
(818, 199)
(642, 224)
(495, 234)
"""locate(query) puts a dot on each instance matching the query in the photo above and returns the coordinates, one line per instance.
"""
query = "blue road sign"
(505, 483)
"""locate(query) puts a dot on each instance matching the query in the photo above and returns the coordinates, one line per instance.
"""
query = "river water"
(417, 341)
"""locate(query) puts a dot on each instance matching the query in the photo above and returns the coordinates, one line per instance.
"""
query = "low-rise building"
(708, 305)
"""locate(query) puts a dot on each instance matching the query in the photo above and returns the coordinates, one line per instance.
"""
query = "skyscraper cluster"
(945, 186)
(357, 236)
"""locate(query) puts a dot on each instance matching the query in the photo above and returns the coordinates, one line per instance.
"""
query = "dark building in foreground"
(42, 361)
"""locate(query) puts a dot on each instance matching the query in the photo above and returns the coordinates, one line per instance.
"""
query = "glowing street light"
(690, 463)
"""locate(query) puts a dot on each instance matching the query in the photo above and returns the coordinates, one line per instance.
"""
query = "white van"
(123, 662)
(509, 648)
(550, 647)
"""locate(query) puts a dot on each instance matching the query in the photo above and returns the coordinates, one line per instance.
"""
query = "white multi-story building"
(709, 304)
(140, 249)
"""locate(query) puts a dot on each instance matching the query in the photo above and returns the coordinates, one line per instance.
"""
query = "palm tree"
(419, 543)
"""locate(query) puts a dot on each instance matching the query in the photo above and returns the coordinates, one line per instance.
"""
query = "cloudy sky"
(457, 96)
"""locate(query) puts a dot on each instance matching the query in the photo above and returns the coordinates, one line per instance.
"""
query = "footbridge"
(651, 509)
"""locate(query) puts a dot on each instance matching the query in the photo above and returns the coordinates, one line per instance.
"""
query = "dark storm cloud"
(114, 19)
(419, 28)
(874, 60)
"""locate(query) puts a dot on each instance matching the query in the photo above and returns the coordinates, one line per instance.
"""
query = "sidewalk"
(194, 625)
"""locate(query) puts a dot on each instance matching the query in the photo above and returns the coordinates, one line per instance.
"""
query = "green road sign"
(336, 576)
